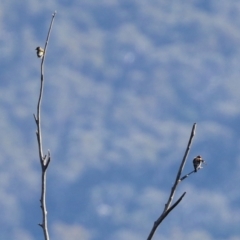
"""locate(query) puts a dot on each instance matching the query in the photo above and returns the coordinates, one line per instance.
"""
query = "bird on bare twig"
(197, 163)
(40, 52)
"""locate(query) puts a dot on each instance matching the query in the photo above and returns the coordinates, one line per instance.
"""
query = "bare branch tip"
(48, 161)
(183, 195)
(194, 129)
(180, 199)
(35, 118)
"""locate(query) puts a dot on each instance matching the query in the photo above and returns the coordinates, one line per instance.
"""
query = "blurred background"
(124, 82)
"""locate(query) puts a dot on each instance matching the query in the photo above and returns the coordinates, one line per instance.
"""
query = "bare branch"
(175, 204)
(48, 159)
(178, 179)
(187, 175)
(35, 118)
(44, 163)
(162, 217)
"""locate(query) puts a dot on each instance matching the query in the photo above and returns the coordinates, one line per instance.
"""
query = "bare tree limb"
(175, 204)
(161, 218)
(187, 175)
(168, 208)
(44, 160)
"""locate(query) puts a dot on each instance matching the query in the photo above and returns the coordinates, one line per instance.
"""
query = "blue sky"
(125, 81)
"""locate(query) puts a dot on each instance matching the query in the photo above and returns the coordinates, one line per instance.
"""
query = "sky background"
(124, 82)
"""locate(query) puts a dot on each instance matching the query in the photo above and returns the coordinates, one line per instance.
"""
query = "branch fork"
(168, 207)
(44, 159)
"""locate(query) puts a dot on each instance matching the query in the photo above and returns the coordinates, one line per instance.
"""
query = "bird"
(197, 163)
(40, 52)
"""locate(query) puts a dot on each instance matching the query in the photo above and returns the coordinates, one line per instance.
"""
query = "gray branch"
(168, 208)
(44, 159)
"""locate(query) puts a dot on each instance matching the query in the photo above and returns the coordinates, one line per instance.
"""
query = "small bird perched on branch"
(197, 163)
(40, 52)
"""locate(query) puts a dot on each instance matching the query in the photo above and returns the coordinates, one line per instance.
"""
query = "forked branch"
(44, 159)
(168, 207)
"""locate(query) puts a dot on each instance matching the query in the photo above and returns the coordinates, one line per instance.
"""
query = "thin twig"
(168, 208)
(44, 160)
(187, 175)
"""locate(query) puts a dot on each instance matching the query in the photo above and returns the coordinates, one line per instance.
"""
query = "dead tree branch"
(44, 159)
(168, 208)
